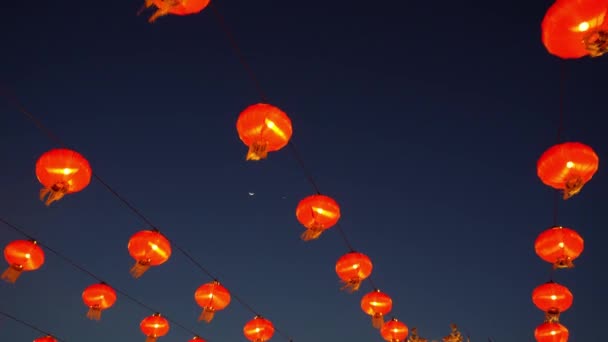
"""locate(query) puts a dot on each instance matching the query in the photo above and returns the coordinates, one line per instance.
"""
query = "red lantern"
(551, 332)
(317, 213)
(567, 166)
(559, 246)
(154, 326)
(353, 268)
(576, 28)
(61, 172)
(394, 331)
(377, 304)
(47, 338)
(98, 297)
(553, 299)
(264, 128)
(175, 7)
(22, 255)
(148, 248)
(212, 297)
(258, 330)
(196, 339)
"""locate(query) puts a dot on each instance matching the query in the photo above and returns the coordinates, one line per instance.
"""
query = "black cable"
(31, 326)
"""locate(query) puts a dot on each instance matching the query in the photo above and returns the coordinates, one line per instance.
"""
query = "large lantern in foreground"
(212, 297)
(98, 297)
(175, 7)
(317, 213)
(61, 172)
(394, 331)
(264, 128)
(559, 246)
(258, 329)
(377, 304)
(154, 326)
(353, 268)
(22, 256)
(148, 248)
(551, 332)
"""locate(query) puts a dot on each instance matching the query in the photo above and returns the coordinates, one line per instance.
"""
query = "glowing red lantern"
(317, 213)
(559, 246)
(154, 326)
(553, 299)
(377, 304)
(551, 332)
(98, 297)
(47, 338)
(353, 268)
(22, 255)
(567, 166)
(576, 28)
(258, 330)
(212, 297)
(196, 339)
(175, 7)
(264, 128)
(394, 331)
(148, 248)
(61, 172)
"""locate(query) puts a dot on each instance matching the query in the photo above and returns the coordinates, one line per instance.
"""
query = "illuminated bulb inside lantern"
(153, 246)
(553, 297)
(257, 330)
(156, 325)
(553, 332)
(355, 266)
(569, 164)
(561, 245)
(28, 255)
(584, 26)
(273, 127)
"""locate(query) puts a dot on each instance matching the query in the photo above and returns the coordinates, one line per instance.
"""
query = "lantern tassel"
(563, 262)
(311, 234)
(139, 269)
(207, 315)
(597, 43)
(257, 151)
(574, 185)
(377, 321)
(94, 313)
(12, 273)
(352, 285)
(51, 195)
(151, 339)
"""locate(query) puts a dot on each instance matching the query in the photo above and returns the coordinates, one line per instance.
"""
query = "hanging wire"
(31, 326)
(94, 276)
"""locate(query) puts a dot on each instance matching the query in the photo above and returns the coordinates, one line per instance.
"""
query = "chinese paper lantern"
(567, 166)
(394, 331)
(317, 213)
(154, 326)
(98, 297)
(553, 299)
(258, 329)
(61, 172)
(264, 128)
(212, 297)
(352, 268)
(196, 339)
(175, 7)
(377, 304)
(559, 246)
(148, 248)
(551, 332)
(47, 338)
(22, 255)
(576, 28)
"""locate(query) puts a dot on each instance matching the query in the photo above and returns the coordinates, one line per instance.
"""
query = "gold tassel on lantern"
(151, 339)
(12, 273)
(207, 315)
(55, 193)
(377, 321)
(574, 185)
(140, 268)
(311, 234)
(94, 313)
(257, 150)
(352, 285)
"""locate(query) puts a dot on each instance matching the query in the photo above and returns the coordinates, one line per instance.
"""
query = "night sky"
(424, 120)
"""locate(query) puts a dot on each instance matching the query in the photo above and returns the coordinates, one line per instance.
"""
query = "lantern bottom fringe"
(139, 269)
(151, 339)
(597, 43)
(257, 151)
(552, 316)
(11, 274)
(94, 314)
(206, 315)
(377, 321)
(351, 285)
(311, 234)
(51, 195)
(563, 262)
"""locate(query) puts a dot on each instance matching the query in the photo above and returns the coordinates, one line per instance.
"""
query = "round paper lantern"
(264, 128)
(552, 298)
(47, 338)
(353, 268)
(22, 255)
(317, 213)
(559, 246)
(196, 339)
(154, 326)
(98, 297)
(61, 172)
(394, 331)
(258, 330)
(377, 304)
(175, 7)
(551, 332)
(567, 166)
(212, 297)
(576, 28)
(148, 248)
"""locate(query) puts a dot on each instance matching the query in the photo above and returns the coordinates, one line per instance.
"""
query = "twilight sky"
(424, 120)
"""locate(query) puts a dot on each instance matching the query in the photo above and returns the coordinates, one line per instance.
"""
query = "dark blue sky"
(424, 120)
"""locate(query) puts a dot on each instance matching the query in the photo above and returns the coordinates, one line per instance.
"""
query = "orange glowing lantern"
(61, 172)
(258, 329)
(576, 28)
(551, 332)
(196, 339)
(22, 255)
(317, 213)
(264, 128)
(568, 167)
(175, 7)
(353, 268)
(212, 297)
(559, 246)
(553, 297)
(377, 304)
(98, 297)
(394, 331)
(47, 338)
(148, 248)
(154, 326)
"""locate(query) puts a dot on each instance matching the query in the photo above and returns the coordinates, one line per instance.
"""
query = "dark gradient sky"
(423, 119)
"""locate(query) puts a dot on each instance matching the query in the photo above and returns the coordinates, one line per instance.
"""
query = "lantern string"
(95, 276)
(31, 326)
